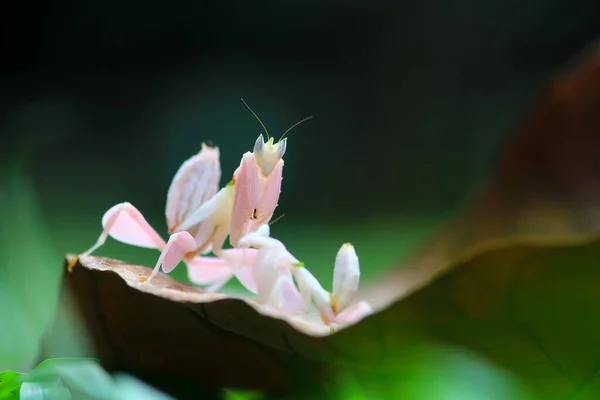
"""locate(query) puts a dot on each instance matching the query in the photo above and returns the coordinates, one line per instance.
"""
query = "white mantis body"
(273, 271)
(200, 218)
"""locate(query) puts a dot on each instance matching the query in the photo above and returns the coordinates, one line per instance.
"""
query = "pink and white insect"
(200, 218)
(273, 271)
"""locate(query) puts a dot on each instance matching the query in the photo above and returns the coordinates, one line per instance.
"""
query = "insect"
(250, 199)
(273, 271)
(199, 218)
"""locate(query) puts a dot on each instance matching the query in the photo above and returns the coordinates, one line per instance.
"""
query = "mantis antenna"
(258, 119)
(277, 219)
(293, 126)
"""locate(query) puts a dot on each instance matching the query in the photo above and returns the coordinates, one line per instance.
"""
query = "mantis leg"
(286, 297)
(204, 270)
(126, 224)
(178, 245)
(216, 271)
(354, 313)
(212, 221)
(241, 262)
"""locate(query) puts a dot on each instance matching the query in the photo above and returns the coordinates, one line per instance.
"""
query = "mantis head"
(268, 154)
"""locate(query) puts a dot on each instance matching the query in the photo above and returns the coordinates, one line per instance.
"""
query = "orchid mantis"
(200, 218)
(195, 184)
(275, 267)
(246, 203)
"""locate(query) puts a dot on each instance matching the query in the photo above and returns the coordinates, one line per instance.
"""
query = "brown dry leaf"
(547, 183)
(171, 329)
(529, 306)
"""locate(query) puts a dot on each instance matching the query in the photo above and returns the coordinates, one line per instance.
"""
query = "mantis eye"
(282, 145)
(259, 145)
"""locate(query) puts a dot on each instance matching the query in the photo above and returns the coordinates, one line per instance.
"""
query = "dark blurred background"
(101, 101)
(411, 99)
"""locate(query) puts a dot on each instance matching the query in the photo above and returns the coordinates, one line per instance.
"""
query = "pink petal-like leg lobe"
(247, 198)
(126, 224)
(265, 274)
(196, 182)
(178, 245)
(242, 262)
(244, 275)
(286, 297)
(217, 285)
(354, 313)
(204, 270)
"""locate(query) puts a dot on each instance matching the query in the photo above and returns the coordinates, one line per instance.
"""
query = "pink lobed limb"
(196, 182)
(265, 274)
(176, 248)
(247, 198)
(285, 296)
(242, 263)
(123, 222)
(217, 285)
(203, 270)
(311, 289)
(244, 275)
(354, 313)
(126, 224)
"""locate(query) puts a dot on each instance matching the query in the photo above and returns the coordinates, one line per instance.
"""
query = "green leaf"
(64, 378)
(241, 395)
(50, 390)
(80, 375)
(10, 384)
(29, 286)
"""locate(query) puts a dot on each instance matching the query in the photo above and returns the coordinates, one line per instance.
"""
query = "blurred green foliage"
(30, 270)
(434, 372)
(65, 379)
